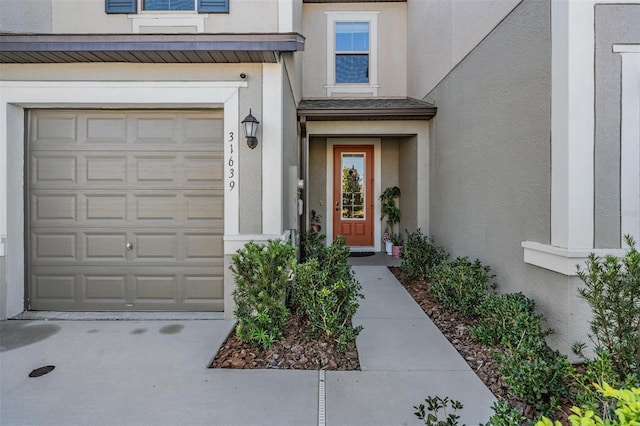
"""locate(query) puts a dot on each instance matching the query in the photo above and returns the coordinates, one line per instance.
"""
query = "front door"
(353, 194)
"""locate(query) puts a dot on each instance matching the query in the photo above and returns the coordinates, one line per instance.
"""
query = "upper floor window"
(168, 5)
(352, 52)
(133, 6)
(352, 45)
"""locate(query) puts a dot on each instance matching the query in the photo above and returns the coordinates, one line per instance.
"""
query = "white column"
(272, 149)
(630, 142)
(572, 124)
(231, 166)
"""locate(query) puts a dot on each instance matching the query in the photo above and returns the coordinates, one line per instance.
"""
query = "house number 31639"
(231, 163)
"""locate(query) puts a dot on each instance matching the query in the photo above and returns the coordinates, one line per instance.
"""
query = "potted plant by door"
(315, 221)
(390, 210)
(397, 243)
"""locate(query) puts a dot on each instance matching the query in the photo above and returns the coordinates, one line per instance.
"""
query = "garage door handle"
(129, 246)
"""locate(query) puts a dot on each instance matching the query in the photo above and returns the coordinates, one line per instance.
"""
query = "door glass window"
(353, 190)
(169, 5)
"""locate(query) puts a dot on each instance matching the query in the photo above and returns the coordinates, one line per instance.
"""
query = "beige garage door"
(125, 210)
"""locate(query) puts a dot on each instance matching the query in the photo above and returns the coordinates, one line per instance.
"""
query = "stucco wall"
(392, 46)
(88, 16)
(490, 164)
(408, 156)
(441, 33)
(26, 16)
(613, 24)
(318, 178)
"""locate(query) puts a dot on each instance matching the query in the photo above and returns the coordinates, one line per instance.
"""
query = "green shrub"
(504, 415)
(421, 256)
(626, 411)
(313, 245)
(261, 274)
(431, 417)
(536, 375)
(460, 284)
(613, 292)
(509, 319)
(326, 293)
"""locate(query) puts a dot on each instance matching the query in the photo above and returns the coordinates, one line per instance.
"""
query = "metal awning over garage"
(147, 48)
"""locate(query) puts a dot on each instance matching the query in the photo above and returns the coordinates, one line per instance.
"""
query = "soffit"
(331, 109)
(147, 48)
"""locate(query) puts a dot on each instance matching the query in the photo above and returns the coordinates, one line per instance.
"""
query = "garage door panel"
(52, 286)
(203, 207)
(106, 247)
(203, 169)
(156, 246)
(198, 288)
(203, 246)
(155, 130)
(48, 168)
(156, 170)
(103, 179)
(105, 287)
(154, 287)
(156, 207)
(55, 129)
(54, 247)
(60, 207)
(102, 130)
(203, 130)
(106, 169)
(100, 207)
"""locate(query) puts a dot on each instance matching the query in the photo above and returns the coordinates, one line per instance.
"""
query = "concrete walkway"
(153, 372)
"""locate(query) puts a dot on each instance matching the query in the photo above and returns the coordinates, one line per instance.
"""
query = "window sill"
(561, 260)
(355, 89)
(169, 19)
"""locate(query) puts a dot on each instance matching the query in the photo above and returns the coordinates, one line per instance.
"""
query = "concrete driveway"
(154, 372)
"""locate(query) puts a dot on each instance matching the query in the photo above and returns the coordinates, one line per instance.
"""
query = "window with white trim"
(180, 6)
(352, 53)
(168, 5)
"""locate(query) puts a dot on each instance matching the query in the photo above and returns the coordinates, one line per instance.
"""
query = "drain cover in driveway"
(42, 371)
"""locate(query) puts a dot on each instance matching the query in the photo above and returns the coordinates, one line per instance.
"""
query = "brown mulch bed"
(294, 351)
(297, 351)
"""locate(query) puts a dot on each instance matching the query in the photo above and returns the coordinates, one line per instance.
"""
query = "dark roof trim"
(147, 48)
(354, 1)
(366, 109)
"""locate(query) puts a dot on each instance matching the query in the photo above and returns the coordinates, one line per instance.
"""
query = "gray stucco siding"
(490, 147)
(614, 23)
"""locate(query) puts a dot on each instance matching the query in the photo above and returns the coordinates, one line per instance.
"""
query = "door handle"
(337, 205)
(129, 246)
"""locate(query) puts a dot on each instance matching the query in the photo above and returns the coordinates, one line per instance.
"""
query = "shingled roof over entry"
(365, 109)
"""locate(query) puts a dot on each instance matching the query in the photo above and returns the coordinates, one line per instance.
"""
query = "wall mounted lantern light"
(250, 125)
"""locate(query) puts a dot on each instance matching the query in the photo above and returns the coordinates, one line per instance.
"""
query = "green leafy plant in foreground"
(326, 292)
(508, 319)
(261, 274)
(421, 256)
(626, 411)
(612, 289)
(461, 284)
(433, 407)
(504, 415)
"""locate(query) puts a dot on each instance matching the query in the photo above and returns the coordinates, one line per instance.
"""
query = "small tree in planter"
(390, 210)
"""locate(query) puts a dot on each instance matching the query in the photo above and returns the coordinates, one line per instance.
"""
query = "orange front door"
(353, 194)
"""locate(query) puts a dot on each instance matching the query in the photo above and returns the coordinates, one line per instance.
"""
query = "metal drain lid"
(42, 371)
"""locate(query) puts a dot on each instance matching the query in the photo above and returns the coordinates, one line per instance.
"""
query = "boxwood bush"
(421, 256)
